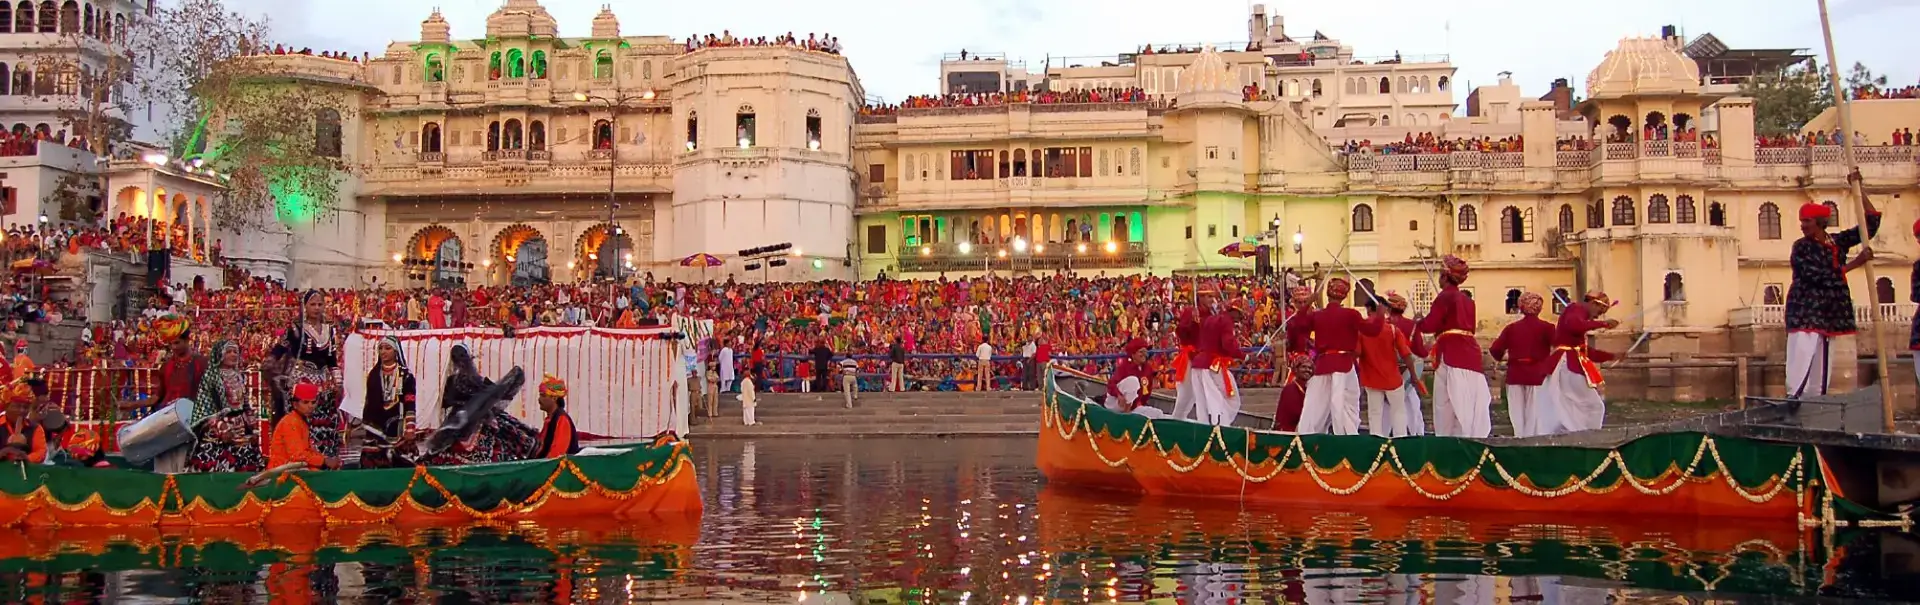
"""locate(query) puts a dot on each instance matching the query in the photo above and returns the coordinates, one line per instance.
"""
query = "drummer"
(21, 439)
(179, 377)
(292, 437)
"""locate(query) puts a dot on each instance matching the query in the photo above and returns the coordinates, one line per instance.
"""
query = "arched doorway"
(521, 251)
(607, 251)
(437, 255)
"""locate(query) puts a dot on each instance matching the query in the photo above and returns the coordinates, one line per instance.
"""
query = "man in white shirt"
(983, 373)
(726, 368)
(1027, 369)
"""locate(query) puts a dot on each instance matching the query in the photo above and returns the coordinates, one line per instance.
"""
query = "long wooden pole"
(1860, 207)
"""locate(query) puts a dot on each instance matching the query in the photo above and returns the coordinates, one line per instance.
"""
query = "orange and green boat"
(1694, 474)
(618, 482)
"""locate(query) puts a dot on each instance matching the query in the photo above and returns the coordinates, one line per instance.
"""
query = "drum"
(157, 434)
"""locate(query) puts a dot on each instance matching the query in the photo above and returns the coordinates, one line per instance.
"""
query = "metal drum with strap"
(157, 434)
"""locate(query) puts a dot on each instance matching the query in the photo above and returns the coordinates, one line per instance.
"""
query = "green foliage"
(1785, 102)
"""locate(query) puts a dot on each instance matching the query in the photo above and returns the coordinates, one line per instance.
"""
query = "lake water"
(955, 521)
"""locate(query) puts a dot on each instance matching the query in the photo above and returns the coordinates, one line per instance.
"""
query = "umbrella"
(1242, 250)
(703, 261)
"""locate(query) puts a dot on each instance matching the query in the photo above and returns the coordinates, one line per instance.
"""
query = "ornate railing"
(1897, 314)
(1775, 156)
(1621, 151)
(1573, 159)
(432, 157)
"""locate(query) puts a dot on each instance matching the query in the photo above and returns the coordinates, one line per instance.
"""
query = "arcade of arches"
(518, 253)
(189, 217)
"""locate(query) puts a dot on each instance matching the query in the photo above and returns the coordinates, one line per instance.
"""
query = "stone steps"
(896, 414)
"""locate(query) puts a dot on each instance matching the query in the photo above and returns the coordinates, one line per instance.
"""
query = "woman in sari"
(499, 437)
(391, 390)
(315, 358)
(228, 437)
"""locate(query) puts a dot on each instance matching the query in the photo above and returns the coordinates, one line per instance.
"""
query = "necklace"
(390, 386)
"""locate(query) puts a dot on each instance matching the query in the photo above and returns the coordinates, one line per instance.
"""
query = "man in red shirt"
(1383, 357)
(1187, 330)
(1460, 395)
(1211, 383)
(1570, 398)
(1412, 419)
(1524, 345)
(1333, 394)
(1127, 389)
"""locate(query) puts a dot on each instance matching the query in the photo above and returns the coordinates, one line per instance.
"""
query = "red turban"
(306, 391)
(1812, 210)
(1530, 303)
(1395, 301)
(1338, 288)
(1916, 227)
(1454, 266)
(1136, 345)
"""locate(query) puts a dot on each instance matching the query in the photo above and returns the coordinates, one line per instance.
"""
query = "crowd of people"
(1428, 143)
(281, 49)
(826, 43)
(1875, 92)
(1818, 137)
(990, 99)
(23, 142)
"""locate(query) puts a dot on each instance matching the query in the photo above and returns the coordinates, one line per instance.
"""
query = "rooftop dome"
(605, 25)
(1209, 73)
(521, 18)
(1643, 66)
(435, 28)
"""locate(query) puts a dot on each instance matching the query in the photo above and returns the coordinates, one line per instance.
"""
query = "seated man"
(21, 438)
(293, 438)
(557, 437)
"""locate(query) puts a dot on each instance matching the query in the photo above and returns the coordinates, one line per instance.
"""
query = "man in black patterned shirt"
(1819, 304)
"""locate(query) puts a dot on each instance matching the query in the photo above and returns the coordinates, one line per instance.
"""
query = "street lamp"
(613, 158)
(966, 248)
(1019, 245)
(1112, 247)
(1299, 243)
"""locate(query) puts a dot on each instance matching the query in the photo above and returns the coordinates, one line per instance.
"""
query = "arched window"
(1833, 212)
(1560, 295)
(1716, 214)
(1362, 218)
(539, 65)
(537, 136)
(693, 131)
(6, 79)
(430, 138)
(646, 70)
(1426, 84)
(6, 17)
(1400, 84)
(1443, 83)
(23, 18)
(602, 134)
(603, 65)
(1774, 295)
(1883, 291)
(1513, 301)
(493, 136)
(1316, 87)
(1386, 85)
(119, 27)
(1513, 226)
(493, 66)
(1684, 209)
(1676, 288)
(436, 68)
(70, 17)
(22, 80)
(1566, 218)
(49, 18)
(86, 19)
(511, 135)
(1469, 219)
(516, 64)
(326, 133)
(1769, 221)
(1658, 210)
(814, 128)
(1623, 211)
(744, 127)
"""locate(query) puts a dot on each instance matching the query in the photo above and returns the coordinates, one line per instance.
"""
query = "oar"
(271, 474)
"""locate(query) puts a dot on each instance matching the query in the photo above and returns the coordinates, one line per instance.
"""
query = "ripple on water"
(946, 521)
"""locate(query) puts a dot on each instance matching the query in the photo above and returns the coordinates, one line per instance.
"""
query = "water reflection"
(961, 521)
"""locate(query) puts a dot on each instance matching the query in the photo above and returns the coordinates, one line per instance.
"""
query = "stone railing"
(876, 119)
(432, 157)
(1775, 156)
(1896, 314)
(1573, 159)
(540, 155)
(1656, 149)
(1620, 151)
(600, 154)
(513, 154)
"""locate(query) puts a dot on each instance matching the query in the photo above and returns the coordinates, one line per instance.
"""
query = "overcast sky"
(895, 46)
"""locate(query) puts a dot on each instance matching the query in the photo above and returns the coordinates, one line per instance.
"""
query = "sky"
(896, 46)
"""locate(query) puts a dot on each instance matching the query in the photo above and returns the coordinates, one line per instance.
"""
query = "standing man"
(1460, 394)
(1042, 355)
(1187, 330)
(1570, 399)
(822, 366)
(1913, 285)
(1385, 357)
(1333, 394)
(1819, 305)
(1524, 345)
(1413, 418)
(896, 366)
(983, 370)
(725, 362)
(1218, 348)
(850, 379)
(1028, 371)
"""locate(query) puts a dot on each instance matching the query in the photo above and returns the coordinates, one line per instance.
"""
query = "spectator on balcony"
(1819, 304)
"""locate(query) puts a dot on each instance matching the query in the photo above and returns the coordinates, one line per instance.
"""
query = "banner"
(619, 382)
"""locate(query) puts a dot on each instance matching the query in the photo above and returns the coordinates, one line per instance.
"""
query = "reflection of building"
(483, 164)
(1691, 236)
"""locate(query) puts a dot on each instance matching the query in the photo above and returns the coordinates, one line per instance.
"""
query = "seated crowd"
(988, 99)
(1874, 92)
(825, 43)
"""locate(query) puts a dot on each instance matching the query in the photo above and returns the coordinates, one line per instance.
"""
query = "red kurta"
(1293, 399)
(1407, 327)
(1527, 342)
(1122, 371)
(1571, 336)
(1453, 319)
(1336, 331)
(1216, 343)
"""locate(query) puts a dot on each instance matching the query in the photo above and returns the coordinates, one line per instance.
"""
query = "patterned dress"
(317, 360)
(231, 443)
(1819, 300)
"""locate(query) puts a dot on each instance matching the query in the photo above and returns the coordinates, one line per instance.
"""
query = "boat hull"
(647, 479)
(1677, 474)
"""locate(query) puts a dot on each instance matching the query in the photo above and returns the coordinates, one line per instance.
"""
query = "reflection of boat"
(1147, 538)
(1686, 474)
(615, 482)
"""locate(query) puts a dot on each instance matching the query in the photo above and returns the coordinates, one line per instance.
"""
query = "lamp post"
(613, 157)
(1299, 243)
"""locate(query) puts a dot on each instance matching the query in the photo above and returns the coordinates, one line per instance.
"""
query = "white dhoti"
(1567, 403)
(1332, 405)
(1129, 391)
(1809, 364)
(1386, 413)
(1522, 400)
(1183, 401)
(1414, 419)
(1210, 398)
(1461, 402)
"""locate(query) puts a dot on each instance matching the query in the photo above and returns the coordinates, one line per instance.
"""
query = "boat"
(1724, 468)
(615, 481)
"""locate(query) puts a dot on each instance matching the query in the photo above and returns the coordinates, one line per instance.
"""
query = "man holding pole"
(1333, 394)
(1415, 420)
(1524, 345)
(1570, 399)
(1460, 394)
(1211, 383)
(1819, 304)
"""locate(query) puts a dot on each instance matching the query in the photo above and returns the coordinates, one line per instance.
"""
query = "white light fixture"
(43, 218)
(746, 144)
(1083, 248)
(814, 144)
(1019, 244)
(1039, 248)
(966, 248)
(396, 257)
(155, 158)
(1299, 238)
(689, 145)
(580, 96)
(486, 263)
(926, 250)
(796, 251)
(1003, 253)
(569, 264)
(1112, 247)
(629, 258)
(510, 259)
(648, 95)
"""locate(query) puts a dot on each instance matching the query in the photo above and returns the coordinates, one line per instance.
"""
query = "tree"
(1784, 102)
(1861, 79)
(246, 113)
(84, 81)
